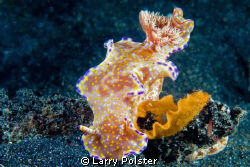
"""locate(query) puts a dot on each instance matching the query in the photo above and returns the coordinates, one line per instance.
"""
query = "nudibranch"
(131, 73)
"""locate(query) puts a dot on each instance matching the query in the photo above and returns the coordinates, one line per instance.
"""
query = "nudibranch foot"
(206, 151)
(116, 138)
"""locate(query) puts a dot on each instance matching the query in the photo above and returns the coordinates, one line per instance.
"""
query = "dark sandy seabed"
(45, 46)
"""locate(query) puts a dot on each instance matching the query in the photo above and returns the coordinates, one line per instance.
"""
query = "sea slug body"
(131, 73)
